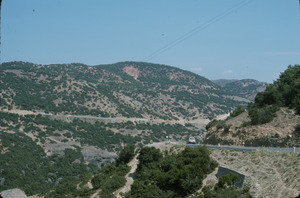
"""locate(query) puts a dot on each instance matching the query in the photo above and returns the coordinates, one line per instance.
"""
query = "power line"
(197, 29)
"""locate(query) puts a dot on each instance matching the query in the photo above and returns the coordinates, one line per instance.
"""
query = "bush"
(262, 115)
(175, 175)
(220, 124)
(239, 110)
(148, 155)
(227, 180)
(226, 128)
(269, 97)
(126, 155)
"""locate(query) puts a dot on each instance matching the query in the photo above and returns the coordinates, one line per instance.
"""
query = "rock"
(13, 193)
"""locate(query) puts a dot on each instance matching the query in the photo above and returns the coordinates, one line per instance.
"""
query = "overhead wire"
(197, 29)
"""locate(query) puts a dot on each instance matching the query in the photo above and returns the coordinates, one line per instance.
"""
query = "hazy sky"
(232, 39)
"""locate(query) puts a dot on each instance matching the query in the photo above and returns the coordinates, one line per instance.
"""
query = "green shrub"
(239, 110)
(262, 115)
(227, 127)
(227, 180)
(126, 155)
(220, 124)
(174, 175)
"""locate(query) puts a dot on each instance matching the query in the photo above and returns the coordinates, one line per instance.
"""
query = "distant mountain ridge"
(128, 89)
(246, 88)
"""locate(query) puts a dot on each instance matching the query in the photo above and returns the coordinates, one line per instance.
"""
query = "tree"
(270, 96)
(239, 110)
(126, 155)
(227, 180)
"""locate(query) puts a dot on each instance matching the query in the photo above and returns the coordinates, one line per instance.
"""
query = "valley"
(77, 119)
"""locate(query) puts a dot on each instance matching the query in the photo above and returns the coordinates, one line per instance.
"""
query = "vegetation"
(99, 134)
(25, 165)
(126, 155)
(284, 92)
(172, 175)
(108, 91)
(219, 124)
(239, 110)
(261, 115)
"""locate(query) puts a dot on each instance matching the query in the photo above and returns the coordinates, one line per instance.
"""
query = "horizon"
(236, 39)
(139, 62)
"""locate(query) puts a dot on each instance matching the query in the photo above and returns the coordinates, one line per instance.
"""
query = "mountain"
(246, 88)
(60, 122)
(127, 89)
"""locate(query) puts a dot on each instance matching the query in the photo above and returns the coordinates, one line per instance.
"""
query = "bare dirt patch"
(132, 71)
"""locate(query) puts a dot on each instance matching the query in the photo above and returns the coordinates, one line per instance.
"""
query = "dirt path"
(96, 194)
(129, 178)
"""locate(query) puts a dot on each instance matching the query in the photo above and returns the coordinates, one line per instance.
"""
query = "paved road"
(242, 148)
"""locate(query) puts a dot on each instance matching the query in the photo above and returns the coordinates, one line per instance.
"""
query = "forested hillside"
(127, 89)
(144, 103)
(159, 174)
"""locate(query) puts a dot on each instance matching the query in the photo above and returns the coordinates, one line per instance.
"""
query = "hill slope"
(280, 132)
(272, 120)
(127, 89)
(75, 117)
(246, 88)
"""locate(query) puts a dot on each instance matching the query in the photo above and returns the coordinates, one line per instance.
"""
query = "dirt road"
(129, 178)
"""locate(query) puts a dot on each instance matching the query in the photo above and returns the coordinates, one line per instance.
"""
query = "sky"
(217, 39)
